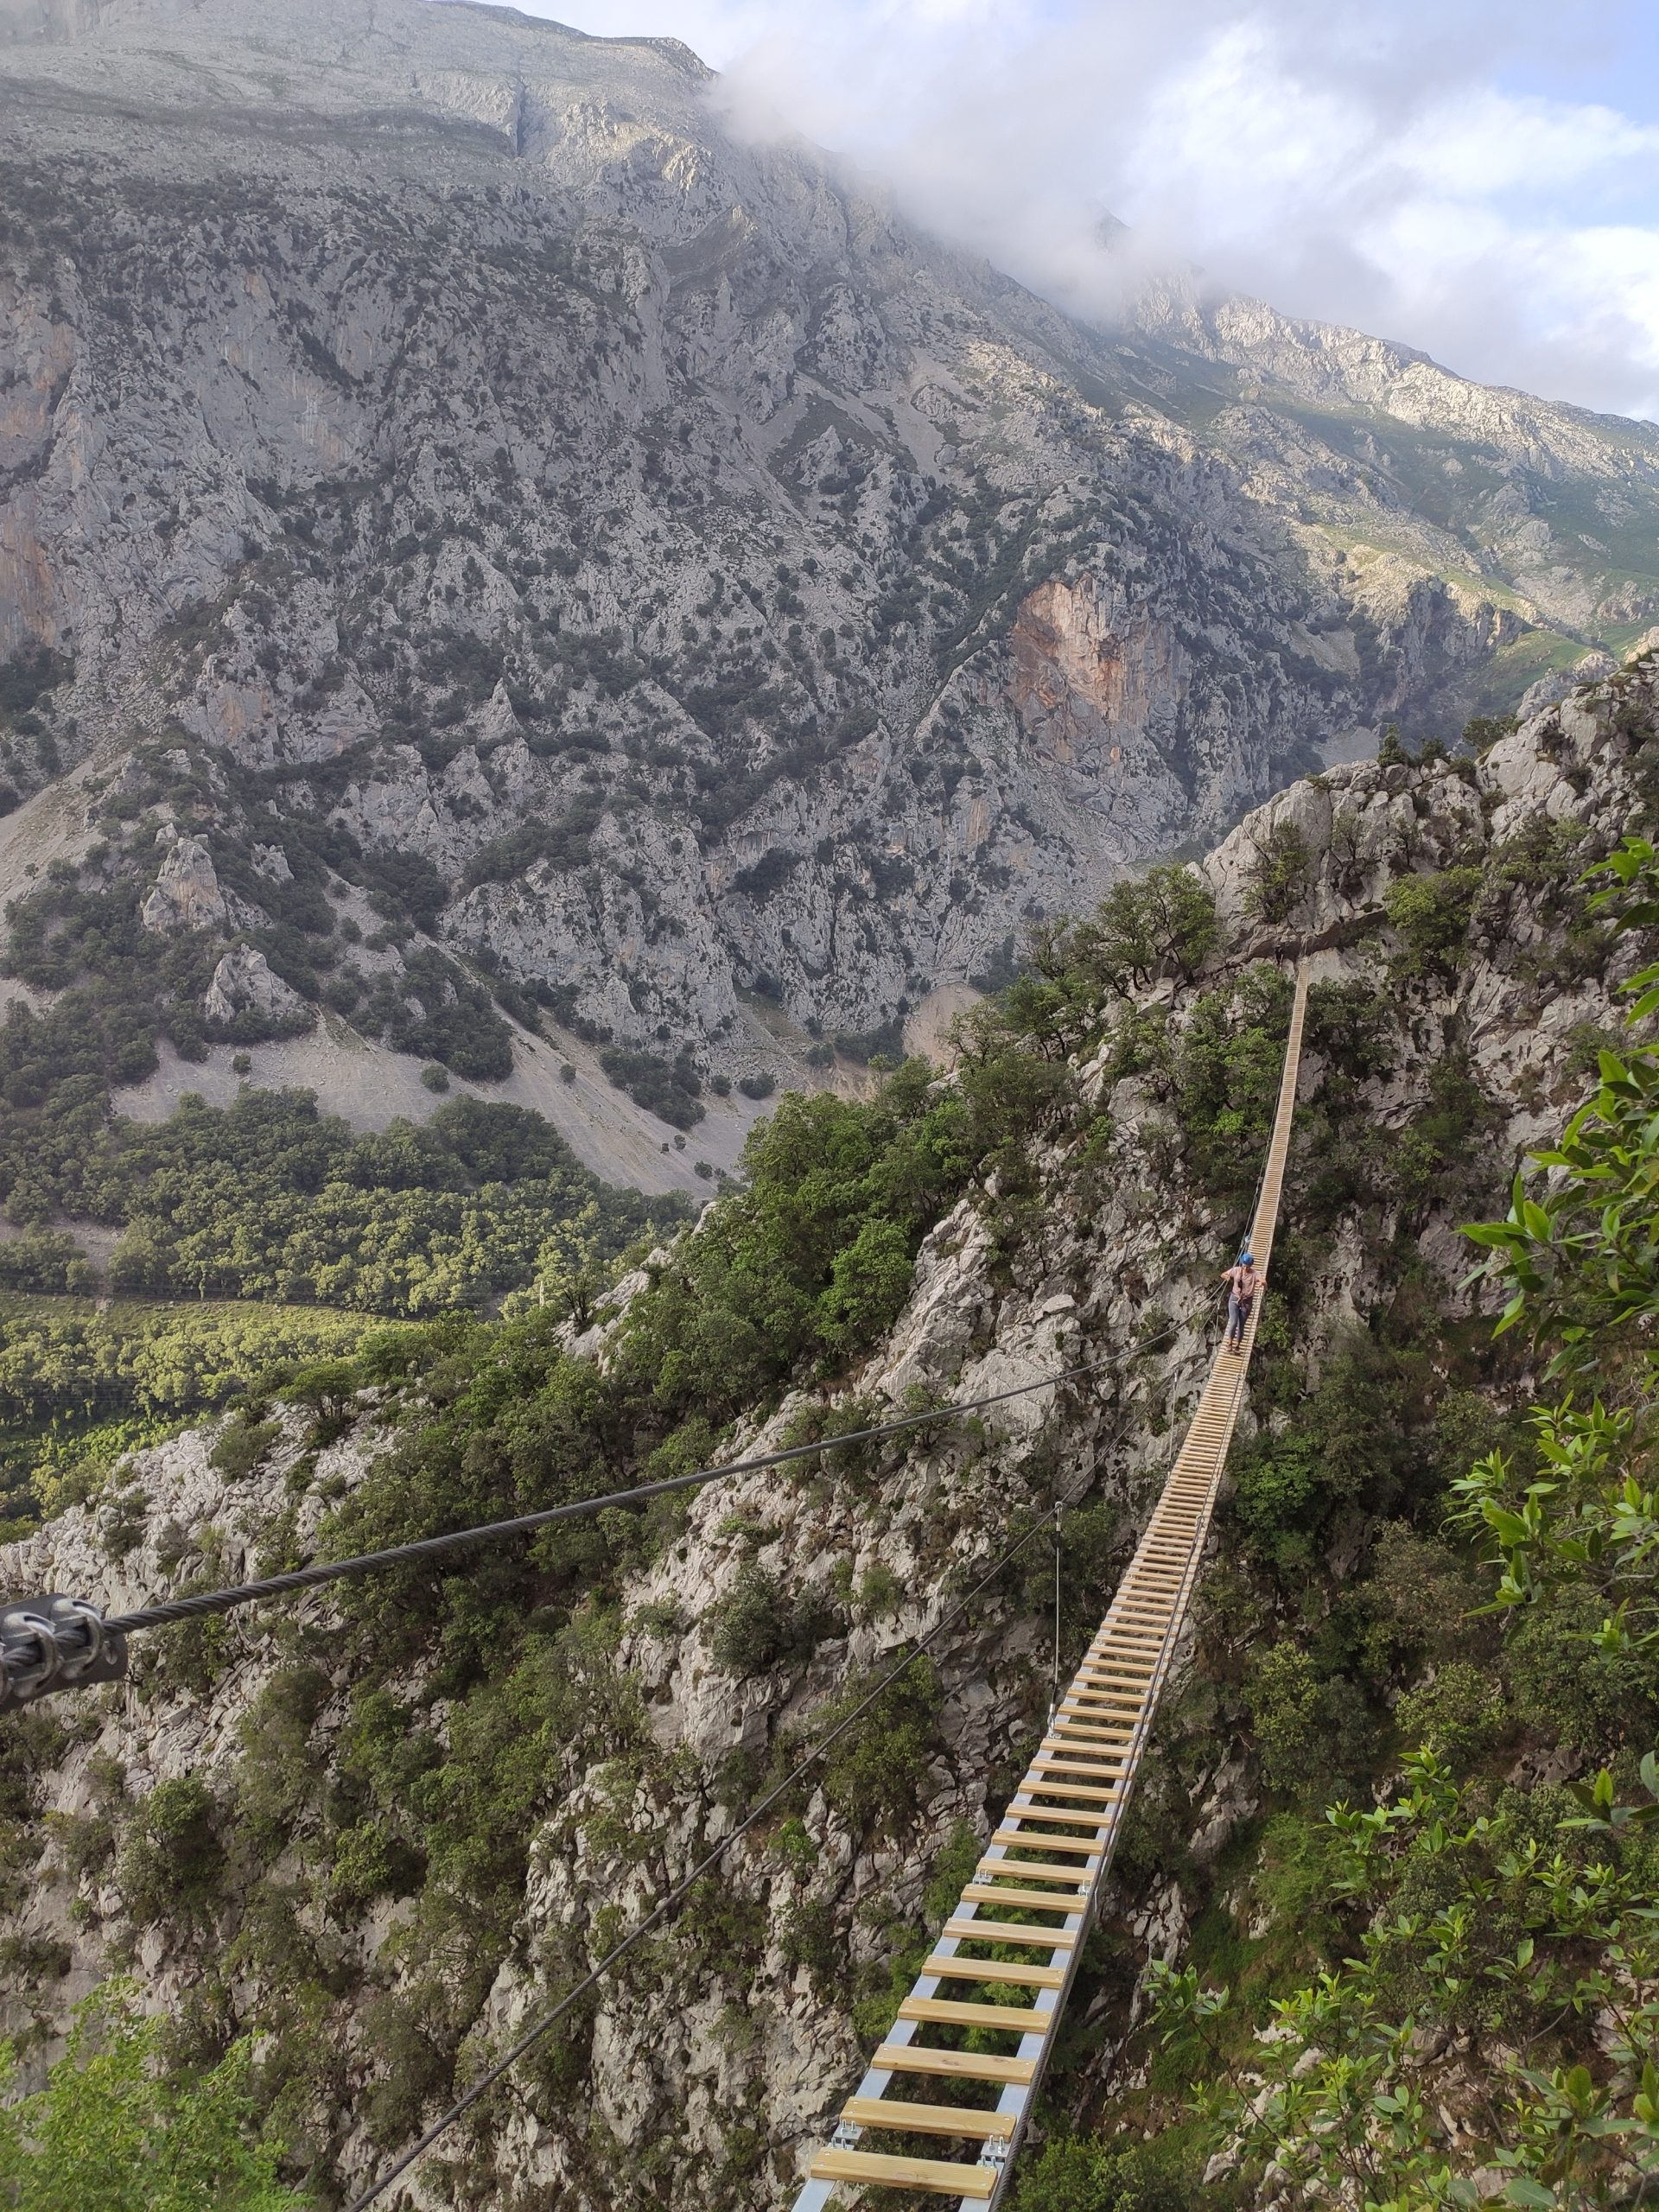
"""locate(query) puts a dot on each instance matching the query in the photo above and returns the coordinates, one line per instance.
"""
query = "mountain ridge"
(432, 444)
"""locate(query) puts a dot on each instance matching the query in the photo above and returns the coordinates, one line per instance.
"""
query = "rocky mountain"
(380, 1839)
(472, 527)
(1551, 505)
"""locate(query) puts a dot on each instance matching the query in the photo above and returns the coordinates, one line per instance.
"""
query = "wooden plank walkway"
(1047, 1860)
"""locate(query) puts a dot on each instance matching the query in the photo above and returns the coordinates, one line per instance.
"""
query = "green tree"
(1430, 915)
(570, 1270)
(1227, 1075)
(1279, 874)
(1162, 923)
(113, 2130)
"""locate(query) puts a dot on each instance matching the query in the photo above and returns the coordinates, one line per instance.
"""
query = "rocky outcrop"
(1100, 688)
(243, 983)
(1353, 831)
(1540, 696)
(186, 895)
(271, 862)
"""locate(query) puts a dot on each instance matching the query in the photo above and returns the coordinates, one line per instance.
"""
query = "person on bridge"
(1243, 1283)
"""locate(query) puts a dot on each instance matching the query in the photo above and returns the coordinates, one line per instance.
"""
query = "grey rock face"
(1383, 444)
(1544, 694)
(430, 427)
(186, 894)
(243, 983)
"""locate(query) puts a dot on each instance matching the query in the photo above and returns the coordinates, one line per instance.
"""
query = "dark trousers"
(1238, 1312)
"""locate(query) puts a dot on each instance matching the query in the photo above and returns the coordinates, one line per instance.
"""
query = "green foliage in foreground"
(1076, 2176)
(1508, 1929)
(1512, 1932)
(112, 2131)
(1582, 1255)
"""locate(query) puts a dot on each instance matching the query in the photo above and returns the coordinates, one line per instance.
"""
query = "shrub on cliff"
(1078, 2176)
(1227, 1077)
(1280, 874)
(113, 2132)
(1430, 914)
(1163, 923)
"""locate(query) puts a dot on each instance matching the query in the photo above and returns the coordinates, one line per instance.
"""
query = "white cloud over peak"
(1376, 165)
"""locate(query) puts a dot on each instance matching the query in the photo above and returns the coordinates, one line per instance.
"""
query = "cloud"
(1369, 166)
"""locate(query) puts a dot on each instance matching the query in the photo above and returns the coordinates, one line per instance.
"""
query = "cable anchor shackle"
(54, 1642)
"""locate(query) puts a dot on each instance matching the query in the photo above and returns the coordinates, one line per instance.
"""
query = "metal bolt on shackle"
(54, 1642)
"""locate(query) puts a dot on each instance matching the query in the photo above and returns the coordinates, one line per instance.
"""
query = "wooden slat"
(938, 2175)
(1080, 1756)
(928, 2120)
(1007, 2019)
(1010, 1931)
(1035, 1900)
(1105, 1777)
(945, 1969)
(953, 2065)
(1028, 1870)
(1058, 1814)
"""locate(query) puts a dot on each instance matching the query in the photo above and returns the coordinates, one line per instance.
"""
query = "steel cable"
(311, 1578)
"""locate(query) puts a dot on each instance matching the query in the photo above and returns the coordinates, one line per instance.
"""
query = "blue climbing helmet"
(1247, 1259)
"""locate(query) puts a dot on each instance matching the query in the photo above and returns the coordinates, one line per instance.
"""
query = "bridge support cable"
(57, 1643)
(1047, 1863)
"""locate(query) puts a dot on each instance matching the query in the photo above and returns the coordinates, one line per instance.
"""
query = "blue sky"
(1478, 178)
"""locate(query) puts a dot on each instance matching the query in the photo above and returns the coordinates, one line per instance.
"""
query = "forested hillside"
(274, 1221)
(349, 1849)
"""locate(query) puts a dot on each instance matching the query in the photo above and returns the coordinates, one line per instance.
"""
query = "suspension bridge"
(1002, 1969)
